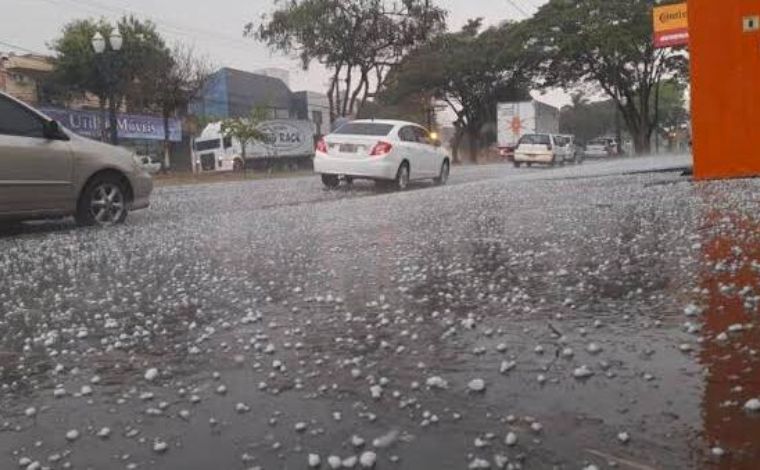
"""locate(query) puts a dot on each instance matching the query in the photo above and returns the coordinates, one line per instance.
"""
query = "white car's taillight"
(381, 149)
(322, 146)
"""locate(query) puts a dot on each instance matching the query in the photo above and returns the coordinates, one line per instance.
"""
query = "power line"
(161, 21)
(172, 28)
(519, 8)
(18, 48)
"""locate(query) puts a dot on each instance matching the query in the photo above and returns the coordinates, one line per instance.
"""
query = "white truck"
(288, 143)
(523, 117)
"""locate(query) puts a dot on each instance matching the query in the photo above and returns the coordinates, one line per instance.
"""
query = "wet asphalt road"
(612, 319)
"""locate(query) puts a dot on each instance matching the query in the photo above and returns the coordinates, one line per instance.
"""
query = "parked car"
(574, 153)
(48, 171)
(601, 148)
(547, 149)
(385, 151)
(150, 164)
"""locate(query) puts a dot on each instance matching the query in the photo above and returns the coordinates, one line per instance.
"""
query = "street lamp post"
(106, 50)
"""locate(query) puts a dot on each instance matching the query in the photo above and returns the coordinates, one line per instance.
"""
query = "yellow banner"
(670, 17)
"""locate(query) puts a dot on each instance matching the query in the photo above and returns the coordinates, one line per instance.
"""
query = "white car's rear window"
(365, 128)
(534, 139)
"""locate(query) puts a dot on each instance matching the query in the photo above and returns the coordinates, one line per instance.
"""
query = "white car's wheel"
(330, 181)
(402, 177)
(443, 177)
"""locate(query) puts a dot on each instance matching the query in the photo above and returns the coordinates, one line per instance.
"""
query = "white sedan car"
(390, 152)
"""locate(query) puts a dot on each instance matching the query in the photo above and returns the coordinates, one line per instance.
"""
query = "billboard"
(131, 126)
(671, 25)
(283, 138)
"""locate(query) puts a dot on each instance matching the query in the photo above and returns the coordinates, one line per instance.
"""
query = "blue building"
(234, 93)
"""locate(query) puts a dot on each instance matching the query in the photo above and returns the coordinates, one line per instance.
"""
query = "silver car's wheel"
(103, 203)
(402, 177)
(107, 205)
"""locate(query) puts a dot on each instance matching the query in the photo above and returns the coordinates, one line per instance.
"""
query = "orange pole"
(725, 82)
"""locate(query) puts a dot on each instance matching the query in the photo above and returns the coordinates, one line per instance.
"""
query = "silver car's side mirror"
(52, 130)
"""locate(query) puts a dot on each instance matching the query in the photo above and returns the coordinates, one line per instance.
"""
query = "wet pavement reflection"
(730, 283)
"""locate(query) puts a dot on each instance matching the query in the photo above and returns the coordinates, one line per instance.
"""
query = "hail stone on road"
(477, 385)
(717, 452)
(436, 382)
(151, 374)
(594, 348)
(368, 459)
(334, 462)
(752, 405)
(479, 464)
(582, 372)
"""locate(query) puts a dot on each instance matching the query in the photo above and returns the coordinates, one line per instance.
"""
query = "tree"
(175, 80)
(420, 108)
(607, 42)
(672, 115)
(109, 75)
(358, 41)
(470, 71)
(245, 130)
(587, 120)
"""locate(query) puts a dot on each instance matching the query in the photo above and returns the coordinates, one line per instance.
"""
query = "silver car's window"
(17, 121)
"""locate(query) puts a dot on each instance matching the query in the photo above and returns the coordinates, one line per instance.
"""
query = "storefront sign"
(284, 138)
(131, 126)
(671, 25)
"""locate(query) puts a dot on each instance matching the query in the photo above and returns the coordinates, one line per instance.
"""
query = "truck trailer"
(288, 144)
(524, 117)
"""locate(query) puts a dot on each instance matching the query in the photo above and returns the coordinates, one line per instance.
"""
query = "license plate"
(348, 148)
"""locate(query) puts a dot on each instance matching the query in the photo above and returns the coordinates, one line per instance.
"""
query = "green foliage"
(469, 70)
(609, 43)
(356, 40)
(172, 81)
(673, 114)
(79, 69)
(246, 130)
(588, 120)
(75, 66)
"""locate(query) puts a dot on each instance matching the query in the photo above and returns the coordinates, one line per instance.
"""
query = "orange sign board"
(671, 25)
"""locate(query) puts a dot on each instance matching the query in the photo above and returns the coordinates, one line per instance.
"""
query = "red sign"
(676, 37)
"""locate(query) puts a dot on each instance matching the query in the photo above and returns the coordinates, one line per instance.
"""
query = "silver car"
(48, 171)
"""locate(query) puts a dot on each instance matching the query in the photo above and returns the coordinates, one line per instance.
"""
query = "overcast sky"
(214, 27)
